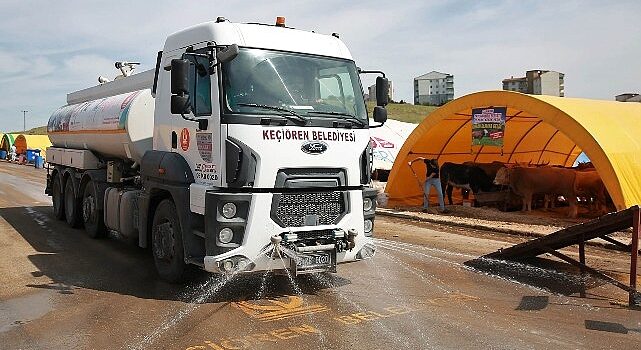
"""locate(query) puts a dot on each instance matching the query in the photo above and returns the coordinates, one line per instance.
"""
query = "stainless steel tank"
(119, 126)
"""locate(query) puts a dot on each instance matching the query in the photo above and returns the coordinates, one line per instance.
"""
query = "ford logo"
(314, 147)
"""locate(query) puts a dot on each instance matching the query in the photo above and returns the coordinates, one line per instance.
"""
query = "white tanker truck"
(244, 137)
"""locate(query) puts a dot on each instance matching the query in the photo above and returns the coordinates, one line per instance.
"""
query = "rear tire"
(92, 217)
(72, 212)
(57, 197)
(166, 243)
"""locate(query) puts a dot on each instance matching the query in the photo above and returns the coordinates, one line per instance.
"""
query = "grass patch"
(405, 112)
(40, 130)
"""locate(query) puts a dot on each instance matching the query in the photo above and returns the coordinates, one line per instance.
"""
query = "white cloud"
(48, 49)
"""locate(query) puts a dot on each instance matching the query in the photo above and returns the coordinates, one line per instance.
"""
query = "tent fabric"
(7, 141)
(21, 144)
(24, 142)
(40, 142)
(539, 129)
(387, 140)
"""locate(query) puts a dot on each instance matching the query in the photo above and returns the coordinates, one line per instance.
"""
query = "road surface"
(62, 290)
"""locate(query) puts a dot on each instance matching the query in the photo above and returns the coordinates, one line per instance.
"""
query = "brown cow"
(587, 166)
(588, 184)
(525, 182)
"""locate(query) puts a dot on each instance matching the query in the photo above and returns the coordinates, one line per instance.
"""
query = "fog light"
(242, 263)
(368, 204)
(228, 265)
(229, 210)
(369, 225)
(225, 235)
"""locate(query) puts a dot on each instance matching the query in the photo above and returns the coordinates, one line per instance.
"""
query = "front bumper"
(254, 228)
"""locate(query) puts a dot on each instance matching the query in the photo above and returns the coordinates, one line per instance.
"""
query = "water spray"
(276, 239)
(351, 238)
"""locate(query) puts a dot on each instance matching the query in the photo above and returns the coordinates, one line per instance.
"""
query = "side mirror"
(380, 113)
(179, 76)
(227, 54)
(180, 104)
(382, 92)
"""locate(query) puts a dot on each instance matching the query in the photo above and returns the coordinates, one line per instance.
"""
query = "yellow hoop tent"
(21, 144)
(7, 141)
(24, 142)
(539, 129)
(40, 142)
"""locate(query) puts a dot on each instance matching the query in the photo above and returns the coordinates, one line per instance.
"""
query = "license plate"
(313, 260)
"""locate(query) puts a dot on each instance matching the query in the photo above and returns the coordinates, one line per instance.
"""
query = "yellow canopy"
(539, 129)
(24, 142)
(40, 142)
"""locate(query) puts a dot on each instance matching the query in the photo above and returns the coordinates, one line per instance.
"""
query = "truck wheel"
(166, 243)
(71, 205)
(91, 215)
(57, 197)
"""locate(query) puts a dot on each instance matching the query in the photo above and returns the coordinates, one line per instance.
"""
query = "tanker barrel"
(114, 126)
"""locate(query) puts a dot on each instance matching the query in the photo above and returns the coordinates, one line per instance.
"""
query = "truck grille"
(308, 209)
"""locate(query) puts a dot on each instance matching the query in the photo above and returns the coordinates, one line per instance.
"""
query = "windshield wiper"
(345, 116)
(289, 114)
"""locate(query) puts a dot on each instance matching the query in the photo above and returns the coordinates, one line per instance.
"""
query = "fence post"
(634, 256)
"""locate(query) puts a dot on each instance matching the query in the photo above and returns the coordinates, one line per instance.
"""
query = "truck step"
(197, 260)
(199, 233)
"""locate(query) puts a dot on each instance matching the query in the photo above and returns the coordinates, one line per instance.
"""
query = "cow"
(471, 178)
(489, 168)
(588, 184)
(587, 166)
(525, 182)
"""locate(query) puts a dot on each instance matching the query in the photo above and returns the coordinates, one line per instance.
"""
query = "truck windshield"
(310, 86)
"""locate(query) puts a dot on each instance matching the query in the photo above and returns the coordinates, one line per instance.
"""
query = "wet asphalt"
(62, 290)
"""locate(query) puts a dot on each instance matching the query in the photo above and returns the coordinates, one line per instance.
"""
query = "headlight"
(367, 204)
(369, 225)
(225, 235)
(229, 210)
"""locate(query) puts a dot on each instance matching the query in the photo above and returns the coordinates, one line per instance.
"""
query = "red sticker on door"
(184, 139)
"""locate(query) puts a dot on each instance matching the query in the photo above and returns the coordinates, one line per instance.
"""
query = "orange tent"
(539, 129)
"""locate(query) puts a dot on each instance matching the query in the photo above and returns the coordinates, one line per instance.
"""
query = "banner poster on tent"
(488, 126)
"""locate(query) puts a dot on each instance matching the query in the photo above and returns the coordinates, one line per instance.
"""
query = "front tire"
(57, 197)
(91, 215)
(72, 212)
(166, 243)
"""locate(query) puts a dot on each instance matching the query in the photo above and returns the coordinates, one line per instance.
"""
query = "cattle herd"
(553, 185)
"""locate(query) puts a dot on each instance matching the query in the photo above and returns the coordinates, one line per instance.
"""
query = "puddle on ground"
(18, 311)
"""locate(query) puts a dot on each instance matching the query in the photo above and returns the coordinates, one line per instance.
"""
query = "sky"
(51, 48)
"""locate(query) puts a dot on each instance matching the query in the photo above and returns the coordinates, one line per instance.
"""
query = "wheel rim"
(164, 241)
(69, 203)
(88, 209)
(56, 195)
